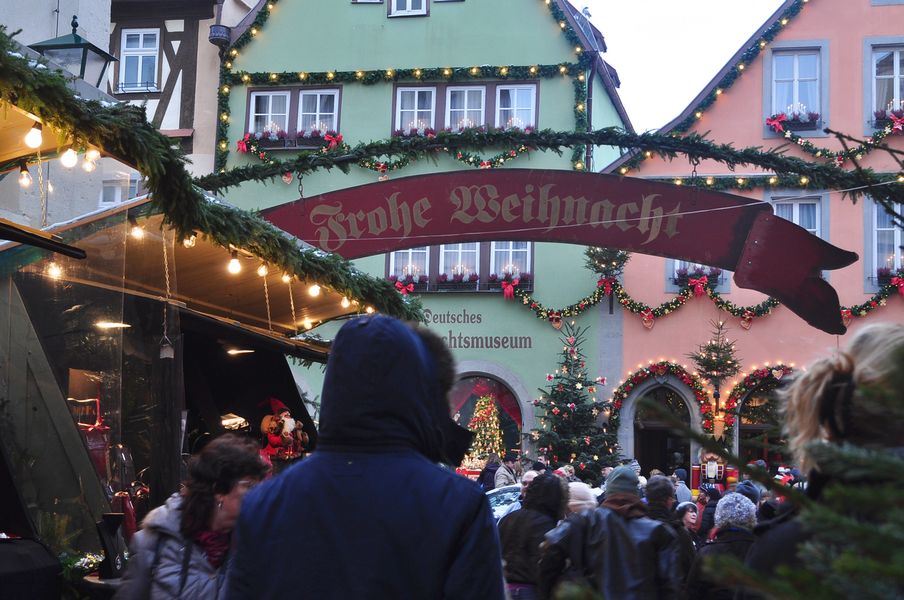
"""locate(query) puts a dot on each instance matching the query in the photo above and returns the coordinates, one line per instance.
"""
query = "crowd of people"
(376, 512)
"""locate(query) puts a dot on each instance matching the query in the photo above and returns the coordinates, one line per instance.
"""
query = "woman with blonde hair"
(846, 404)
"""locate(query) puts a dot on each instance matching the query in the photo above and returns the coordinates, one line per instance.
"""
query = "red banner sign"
(766, 253)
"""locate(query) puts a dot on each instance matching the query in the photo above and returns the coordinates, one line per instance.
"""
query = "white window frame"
(408, 251)
(318, 93)
(494, 250)
(795, 210)
(395, 11)
(416, 90)
(444, 249)
(795, 79)
(533, 108)
(896, 77)
(252, 114)
(142, 54)
(466, 89)
(898, 239)
(118, 183)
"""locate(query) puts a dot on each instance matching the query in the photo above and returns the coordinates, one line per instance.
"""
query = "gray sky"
(665, 51)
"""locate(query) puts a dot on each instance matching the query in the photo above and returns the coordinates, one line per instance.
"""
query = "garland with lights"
(764, 379)
(880, 298)
(732, 75)
(821, 176)
(837, 157)
(609, 286)
(123, 131)
(662, 369)
(373, 76)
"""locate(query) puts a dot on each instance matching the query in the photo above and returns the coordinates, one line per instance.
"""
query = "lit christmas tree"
(569, 429)
(485, 425)
(716, 359)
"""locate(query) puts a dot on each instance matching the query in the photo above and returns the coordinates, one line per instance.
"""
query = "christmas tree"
(569, 429)
(716, 360)
(485, 425)
(607, 262)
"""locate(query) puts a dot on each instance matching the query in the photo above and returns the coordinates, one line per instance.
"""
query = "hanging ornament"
(647, 319)
(846, 316)
(555, 320)
(287, 178)
(778, 373)
(747, 319)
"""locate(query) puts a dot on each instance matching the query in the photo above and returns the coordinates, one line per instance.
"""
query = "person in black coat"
(418, 530)
(487, 477)
(522, 531)
(735, 519)
(660, 503)
(708, 518)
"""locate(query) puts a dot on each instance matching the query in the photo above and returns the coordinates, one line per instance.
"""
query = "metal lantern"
(78, 55)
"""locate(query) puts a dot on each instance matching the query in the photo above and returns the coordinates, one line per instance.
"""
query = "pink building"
(814, 64)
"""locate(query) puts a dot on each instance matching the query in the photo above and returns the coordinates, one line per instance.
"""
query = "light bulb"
(314, 290)
(345, 303)
(92, 154)
(34, 139)
(89, 165)
(369, 310)
(263, 270)
(190, 241)
(54, 270)
(307, 324)
(235, 267)
(137, 232)
(286, 278)
(69, 158)
(24, 176)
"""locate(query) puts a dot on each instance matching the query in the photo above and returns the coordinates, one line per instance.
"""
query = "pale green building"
(368, 68)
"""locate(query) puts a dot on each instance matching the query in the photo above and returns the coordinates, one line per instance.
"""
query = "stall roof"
(194, 278)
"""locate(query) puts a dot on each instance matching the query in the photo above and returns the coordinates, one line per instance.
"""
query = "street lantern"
(78, 55)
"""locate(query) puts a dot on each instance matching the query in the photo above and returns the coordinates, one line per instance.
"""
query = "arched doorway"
(631, 437)
(656, 446)
(472, 390)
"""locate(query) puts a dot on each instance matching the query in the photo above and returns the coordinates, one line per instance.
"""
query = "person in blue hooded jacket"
(370, 514)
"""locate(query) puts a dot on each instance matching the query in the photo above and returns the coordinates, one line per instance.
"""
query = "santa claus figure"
(285, 438)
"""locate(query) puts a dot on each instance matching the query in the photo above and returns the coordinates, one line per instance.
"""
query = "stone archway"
(629, 411)
(478, 368)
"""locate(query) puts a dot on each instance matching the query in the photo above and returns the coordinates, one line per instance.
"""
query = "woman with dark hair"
(522, 531)
(182, 546)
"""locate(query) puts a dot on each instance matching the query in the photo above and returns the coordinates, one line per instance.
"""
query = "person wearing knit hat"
(735, 520)
(708, 518)
(748, 488)
(622, 553)
(580, 497)
(623, 480)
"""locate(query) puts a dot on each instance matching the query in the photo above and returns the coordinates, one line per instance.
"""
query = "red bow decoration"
(898, 282)
(698, 285)
(647, 318)
(606, 284)
(242, 144)
(897, 123)
(508, 289)
(405, 289)
(846, 316)
(776, 123)
(333, 140)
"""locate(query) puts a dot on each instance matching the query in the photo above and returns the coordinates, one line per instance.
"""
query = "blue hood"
(381, 392)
